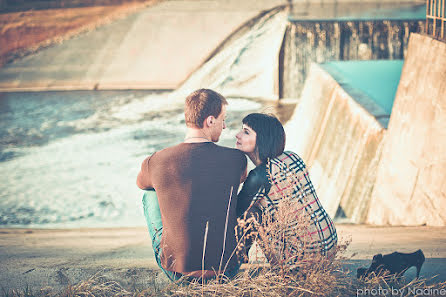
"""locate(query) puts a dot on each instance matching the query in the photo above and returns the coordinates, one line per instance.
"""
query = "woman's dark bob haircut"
(270, 141)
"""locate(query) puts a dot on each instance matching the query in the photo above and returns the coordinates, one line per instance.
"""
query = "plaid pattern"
(290, 182)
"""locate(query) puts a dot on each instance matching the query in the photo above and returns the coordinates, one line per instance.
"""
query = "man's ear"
(210, 121)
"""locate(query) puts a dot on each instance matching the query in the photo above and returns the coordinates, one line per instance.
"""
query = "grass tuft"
(310, 274)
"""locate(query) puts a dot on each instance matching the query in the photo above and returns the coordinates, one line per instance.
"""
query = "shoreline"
(59, 257)
(366, 240)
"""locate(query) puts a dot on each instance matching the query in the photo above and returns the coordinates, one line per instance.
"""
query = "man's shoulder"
(221, 152)
(231, 151)
(168, 150)
(162, 155)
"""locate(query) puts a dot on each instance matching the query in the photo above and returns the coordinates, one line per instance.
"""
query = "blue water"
(377, 79)
(35, 119)
(70, 159)
(359, 11)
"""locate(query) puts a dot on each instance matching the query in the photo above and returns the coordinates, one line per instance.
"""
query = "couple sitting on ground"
(192, 216)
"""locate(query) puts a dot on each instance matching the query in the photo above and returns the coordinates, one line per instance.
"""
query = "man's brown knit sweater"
(193, 182)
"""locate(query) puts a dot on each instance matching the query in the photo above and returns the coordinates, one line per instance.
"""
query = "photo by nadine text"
(406, 291)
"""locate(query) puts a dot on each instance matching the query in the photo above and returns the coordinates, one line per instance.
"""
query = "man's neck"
(196, 136)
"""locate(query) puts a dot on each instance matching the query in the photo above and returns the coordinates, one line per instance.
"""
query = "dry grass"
(314, 275)
(25, 32)
(260, 280)
(294, 268)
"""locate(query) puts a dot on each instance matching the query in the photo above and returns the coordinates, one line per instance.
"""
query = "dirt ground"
(24, 32)
(37, 257)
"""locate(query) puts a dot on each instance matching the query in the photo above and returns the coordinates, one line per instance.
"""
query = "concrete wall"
(340, 141)
(411, 183)
(157, 47)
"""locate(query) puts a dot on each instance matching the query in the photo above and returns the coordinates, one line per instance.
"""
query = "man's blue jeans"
(153, 218)
(154, 223)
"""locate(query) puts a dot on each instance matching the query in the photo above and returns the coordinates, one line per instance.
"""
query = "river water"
(70, 159)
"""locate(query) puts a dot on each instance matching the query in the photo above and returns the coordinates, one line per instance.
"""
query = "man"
(192, 216)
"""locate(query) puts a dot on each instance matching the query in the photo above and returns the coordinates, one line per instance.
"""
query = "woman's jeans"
(153, 218)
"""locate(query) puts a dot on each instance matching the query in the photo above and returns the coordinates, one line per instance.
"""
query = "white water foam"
(246, 67)
(87, 178)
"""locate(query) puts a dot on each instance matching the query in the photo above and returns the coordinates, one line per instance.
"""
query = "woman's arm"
(256, 182)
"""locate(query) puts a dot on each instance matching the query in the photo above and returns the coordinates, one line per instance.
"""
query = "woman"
(279, 190)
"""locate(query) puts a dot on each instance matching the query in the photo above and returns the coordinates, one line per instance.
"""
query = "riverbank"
(37, 258)
(29, 26)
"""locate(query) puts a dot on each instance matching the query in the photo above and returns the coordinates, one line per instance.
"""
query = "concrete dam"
(350, 72)
(372, 139)
(361, 31)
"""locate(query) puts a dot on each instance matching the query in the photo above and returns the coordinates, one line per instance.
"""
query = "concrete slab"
(155, 48)
(412, 167)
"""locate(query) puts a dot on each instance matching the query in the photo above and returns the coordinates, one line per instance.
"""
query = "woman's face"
(246, 140)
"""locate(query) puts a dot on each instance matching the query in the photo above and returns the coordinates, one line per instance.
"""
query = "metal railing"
(436, 18)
